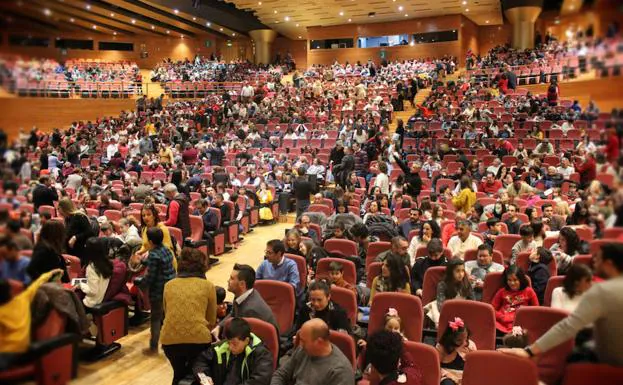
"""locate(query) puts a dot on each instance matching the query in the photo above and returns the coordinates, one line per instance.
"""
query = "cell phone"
(77, 281)
(204, 380)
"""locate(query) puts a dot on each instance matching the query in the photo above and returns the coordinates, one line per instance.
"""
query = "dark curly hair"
(192, 261)
(383, 350)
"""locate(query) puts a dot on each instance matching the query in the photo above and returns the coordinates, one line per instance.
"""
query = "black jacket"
(539, 275)
(334, 315)
(183, 214)
(255, 364)
(419, 268)
(43, 195)
(80, 226)
(44, 259)
(302, 189)
(413, 181)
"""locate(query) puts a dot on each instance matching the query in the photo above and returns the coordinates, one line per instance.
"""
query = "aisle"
(129, 366)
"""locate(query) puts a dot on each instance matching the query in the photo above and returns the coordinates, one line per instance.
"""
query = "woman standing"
(78, 229)
(149, 218)
(186, 333)
(47, 254)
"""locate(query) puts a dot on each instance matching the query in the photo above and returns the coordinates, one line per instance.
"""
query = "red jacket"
(490, 188)
(613, 148)
(587, 170)
(407, 374)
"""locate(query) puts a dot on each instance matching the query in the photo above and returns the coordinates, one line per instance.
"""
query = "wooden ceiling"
(291, 18)
(113, 17)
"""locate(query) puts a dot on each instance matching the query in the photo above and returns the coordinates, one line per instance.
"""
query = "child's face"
(527, 238)
(513, 282)
(461, 339)
(335, 275)
(338, 233)
(459, 273)
(495, 229)
(292, 242)
(393, 325)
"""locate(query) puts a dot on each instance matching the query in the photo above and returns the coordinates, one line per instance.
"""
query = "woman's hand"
(72, 241)
(362, 343)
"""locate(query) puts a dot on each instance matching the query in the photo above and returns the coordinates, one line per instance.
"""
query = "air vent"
(371, 14)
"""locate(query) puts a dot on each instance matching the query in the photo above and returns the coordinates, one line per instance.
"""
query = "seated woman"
(429, 230)
(98, 272)
(393, 277)
(47, 254)
(321, 306)
(452, 347)
(293, 242)
(567, 248)
(515, 294)
(579, 279)
(265, 196)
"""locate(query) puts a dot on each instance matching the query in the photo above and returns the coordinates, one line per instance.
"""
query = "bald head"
(318, 329)
(314, 338)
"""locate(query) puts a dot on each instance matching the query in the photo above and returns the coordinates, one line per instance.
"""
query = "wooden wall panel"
(492, 36)
(297, 48)
(352, 55)
(47, 114)
(469, 38)
(158, 48)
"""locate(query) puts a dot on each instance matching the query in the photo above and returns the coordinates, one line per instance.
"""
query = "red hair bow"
(456, 324)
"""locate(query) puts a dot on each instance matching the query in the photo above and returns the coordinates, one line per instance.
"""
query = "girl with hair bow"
(453, 346)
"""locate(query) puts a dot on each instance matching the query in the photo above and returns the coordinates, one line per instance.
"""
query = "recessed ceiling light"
(287, 18)
(487, 21)
(112, 14)
(47, 12)
(233, 34)
(152, 27)
(341, 13)
(259, 3)
(220, 29)
(168, 31)
(194, 18)
(72, 19)
(400, 8)
(94, 26)
(277, 22)
(182, 36)
(133, 21)
(176, 11)
(466, 9)
(114, 33)
(208, 24)
(300, 37)
(88, 6)
(571, 7)
(297, 24)
(349, 20)
(275, 11)
(406, 15)
(464, 2)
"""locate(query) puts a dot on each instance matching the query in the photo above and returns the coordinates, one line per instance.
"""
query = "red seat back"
(472, 255)
(409, 308)
(432, 277)
(279, 296)
(493, 282)
(267, 333)
(347, 299)
(342, 246)
(538, 320)
(301, 266)
(427, 360)
(479, 318)
(346, 344)
(589, 373)
(196, 228)
(552, 283)
(489, 367)
(374, 249)
(504, 243)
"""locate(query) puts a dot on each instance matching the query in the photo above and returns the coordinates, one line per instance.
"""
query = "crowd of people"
(471, 167)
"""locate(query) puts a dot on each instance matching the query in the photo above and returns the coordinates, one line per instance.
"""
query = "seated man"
(21, 241)
(526, 243)
(316, 361)
(302, 226)
(247, 302)
(240, 359)
(12, 265)
(277, 267)
(463, 240)
(435, 257)
(493, 230)
(477, 270)
(412, 223)
(400, 248)
(321, 306)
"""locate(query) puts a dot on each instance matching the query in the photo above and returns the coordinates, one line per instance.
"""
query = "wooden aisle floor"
(129, 365)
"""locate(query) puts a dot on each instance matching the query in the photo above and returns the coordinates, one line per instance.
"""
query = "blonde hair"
(67, 206)
(562, 208)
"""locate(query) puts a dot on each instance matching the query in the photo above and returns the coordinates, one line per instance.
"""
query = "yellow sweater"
(166, 240)
(15, 318)
(465, 200)
(373, 289)
(189, 311)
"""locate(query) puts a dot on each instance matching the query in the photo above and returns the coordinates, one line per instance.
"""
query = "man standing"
(277, 267)
(464, 240)
(412, 176)
(178, 214)
(316, 361)
(247, 302)
(478, 269)
(44, 194)
(302, 190)
(361, 160)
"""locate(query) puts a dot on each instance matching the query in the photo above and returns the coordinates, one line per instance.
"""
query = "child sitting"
(515, 294)
(221, 305)
(525, 244)
(339, 232)
(494, 228)
(336, 277)
(452, 347)
(454, 285)
(538, 270)
(393, 323)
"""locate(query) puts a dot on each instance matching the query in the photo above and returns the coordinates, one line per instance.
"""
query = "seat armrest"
(39, 348)
(106, 307)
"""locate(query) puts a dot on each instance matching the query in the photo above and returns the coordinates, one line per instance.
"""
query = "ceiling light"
(220, 29)
(400, 8)
(259, 3)
(297, 24)
(341, 13)
(176, 11)
(47, 12)
(152, 27)
(88, 6)
(406, 15)
(277, 22)
(349, 20)
(412, 43)
(182, 36)
(208, 24)
(487, 21)
(72, 19)
(300, 37)
(168, 31)
(94, 26)
(112, 14)
(133, 21)
(571, 7)
(194, 18)
(275, 11)
(233, 34)
(466, 9)
(464, 2)
(114, 33)
(287, 18)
